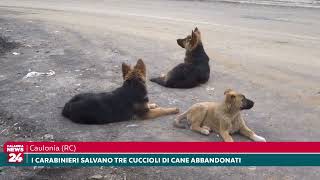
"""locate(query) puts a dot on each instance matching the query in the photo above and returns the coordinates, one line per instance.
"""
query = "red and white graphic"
(15, 153)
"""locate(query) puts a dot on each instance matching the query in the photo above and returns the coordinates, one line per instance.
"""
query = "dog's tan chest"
(212, 119)
(232, 121)
(215, 118)
(235, 124)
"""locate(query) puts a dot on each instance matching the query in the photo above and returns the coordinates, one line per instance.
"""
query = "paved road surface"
(269, 53)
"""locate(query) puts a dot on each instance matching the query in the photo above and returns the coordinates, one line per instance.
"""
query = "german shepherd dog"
(194, 71)
(129, 101)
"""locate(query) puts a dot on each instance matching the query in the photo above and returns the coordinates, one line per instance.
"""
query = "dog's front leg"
(244, 130)
(225, 126)
(226, 136)
(157, 112)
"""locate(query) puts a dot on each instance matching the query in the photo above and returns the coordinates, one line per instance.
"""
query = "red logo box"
(15, 153)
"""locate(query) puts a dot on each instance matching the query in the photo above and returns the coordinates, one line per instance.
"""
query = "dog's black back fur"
(194, 71)
(100, 108)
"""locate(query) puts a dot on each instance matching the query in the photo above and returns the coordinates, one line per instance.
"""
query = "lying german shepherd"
(194, 71)
(127, 102)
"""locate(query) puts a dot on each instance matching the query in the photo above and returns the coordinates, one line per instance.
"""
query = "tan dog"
(223, 118)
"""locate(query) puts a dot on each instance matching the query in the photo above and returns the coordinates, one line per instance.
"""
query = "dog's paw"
(175, 110)
(152, 106)
(205, 132)
(257, 138)
(207, 128)
(153, 79)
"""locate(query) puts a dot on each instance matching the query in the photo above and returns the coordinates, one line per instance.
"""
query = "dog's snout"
(250, 104)
(247, 104)
(180, 42)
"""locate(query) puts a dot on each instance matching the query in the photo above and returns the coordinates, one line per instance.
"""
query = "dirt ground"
(271, 54)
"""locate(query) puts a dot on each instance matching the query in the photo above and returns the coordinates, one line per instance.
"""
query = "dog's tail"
(66, 110)
(177, 122)
(159, 80)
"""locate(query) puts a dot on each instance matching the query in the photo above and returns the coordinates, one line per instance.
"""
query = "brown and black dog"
(129, 101)
(194, 71)
(223, 118)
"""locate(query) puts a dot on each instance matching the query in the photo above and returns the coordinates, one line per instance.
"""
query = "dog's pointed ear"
(227, 91)
(194, 39)
(125, 69)
(141, 67)
(229, 96)
(197, 33)
(192, 34)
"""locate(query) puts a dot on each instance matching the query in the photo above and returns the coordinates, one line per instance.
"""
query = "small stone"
(252, 168)
(210, 89)
(98, 176)
(48, 136)
(132, 125)
(38, 167)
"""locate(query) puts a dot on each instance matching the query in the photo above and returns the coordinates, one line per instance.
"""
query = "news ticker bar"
(85, 160)
(165, 147)
(160, 154)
